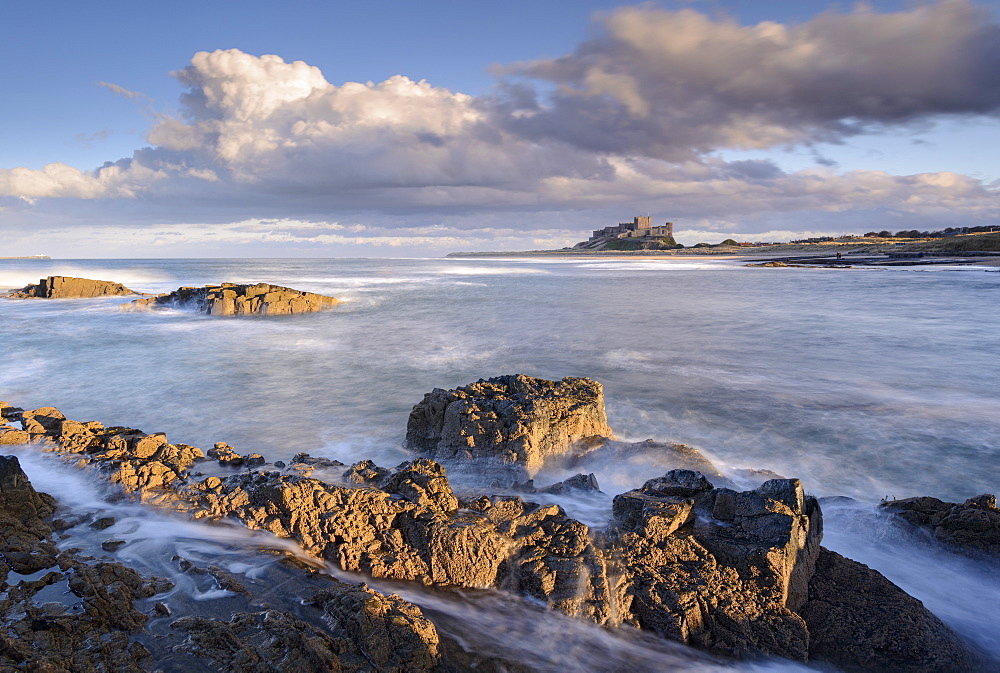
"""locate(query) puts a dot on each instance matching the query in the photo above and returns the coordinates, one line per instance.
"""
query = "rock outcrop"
(67, 287)
(861, 622)
(735, 573)
(512, 419)
(95, 634)
(231, 299)
(972, 527)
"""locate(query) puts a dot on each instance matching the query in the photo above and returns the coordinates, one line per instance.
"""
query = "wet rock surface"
(737, 573)
(232, 299)
(512, 419)
(68, 287)
(972, 527)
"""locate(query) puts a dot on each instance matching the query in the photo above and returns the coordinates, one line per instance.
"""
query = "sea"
(867, 384)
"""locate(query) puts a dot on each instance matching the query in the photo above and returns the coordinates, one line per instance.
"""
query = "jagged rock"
(27, 546)
(40, 636)
(265, 642)
(393, 634)
(422, 482)
(231, 299)
(365, 472)
(720, 569)
(305, 464)
(728, 586)
(860, 621)
(8, 413)
(226, 455)
(972, 527)
(578, 483)
(67, 287)
(511, 419)
(254, 460)
(553, 557)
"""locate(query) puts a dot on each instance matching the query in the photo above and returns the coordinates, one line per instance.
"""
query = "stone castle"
(640, 227)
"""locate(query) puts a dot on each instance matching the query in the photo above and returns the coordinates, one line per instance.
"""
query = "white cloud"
(632, 123)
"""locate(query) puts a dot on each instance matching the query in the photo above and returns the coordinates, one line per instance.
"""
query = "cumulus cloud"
(632, 118)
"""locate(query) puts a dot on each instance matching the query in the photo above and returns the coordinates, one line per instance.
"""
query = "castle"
(640, 227)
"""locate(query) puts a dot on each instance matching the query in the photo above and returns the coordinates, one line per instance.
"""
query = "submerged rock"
(231, 299)
(511, 419)
(972, 527)
(67, 287)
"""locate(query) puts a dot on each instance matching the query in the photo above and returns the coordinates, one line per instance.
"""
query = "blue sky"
(537, 122)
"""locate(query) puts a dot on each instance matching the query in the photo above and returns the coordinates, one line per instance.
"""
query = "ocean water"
(869, 383)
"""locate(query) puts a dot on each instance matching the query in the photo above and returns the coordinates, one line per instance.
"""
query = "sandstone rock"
(511, 419)
(720, 569)
(231, 299)
(365, 472)
(860, 621)
(728, 586)
(972, 527)
(225, 454)
(8, 413)
(67, 287)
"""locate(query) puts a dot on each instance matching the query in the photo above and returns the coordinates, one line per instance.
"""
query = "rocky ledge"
(231, 299)
(67, 287)
(737, 573)
(972, 527)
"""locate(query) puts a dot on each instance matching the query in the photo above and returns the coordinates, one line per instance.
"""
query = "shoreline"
(820, 257)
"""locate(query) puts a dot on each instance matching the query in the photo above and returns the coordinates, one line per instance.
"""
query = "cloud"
(120, 90)
(675, 84)
(630, 120)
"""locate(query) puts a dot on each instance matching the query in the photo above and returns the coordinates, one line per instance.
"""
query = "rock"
(226, 455)
(578, 483)
(305, 464)
(972, 527)
(9, 414)
(665, 454)
(681, 483)
(860, 621)
(393, 634)
(722, 570)
(254, 460)
(24, 532)
(113, 545)
(422, 482)
(513, 419)
(729, 586)
(67, 287)
(231, 299)
(365, 472)
(264, 642)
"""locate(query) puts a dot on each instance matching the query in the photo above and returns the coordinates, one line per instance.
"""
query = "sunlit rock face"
(68, 287)
(230, 299)
(513, 419)
(738, 573)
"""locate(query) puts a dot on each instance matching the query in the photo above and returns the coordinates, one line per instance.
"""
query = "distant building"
(640, 227)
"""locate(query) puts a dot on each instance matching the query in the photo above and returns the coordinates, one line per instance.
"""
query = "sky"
(396, 128)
